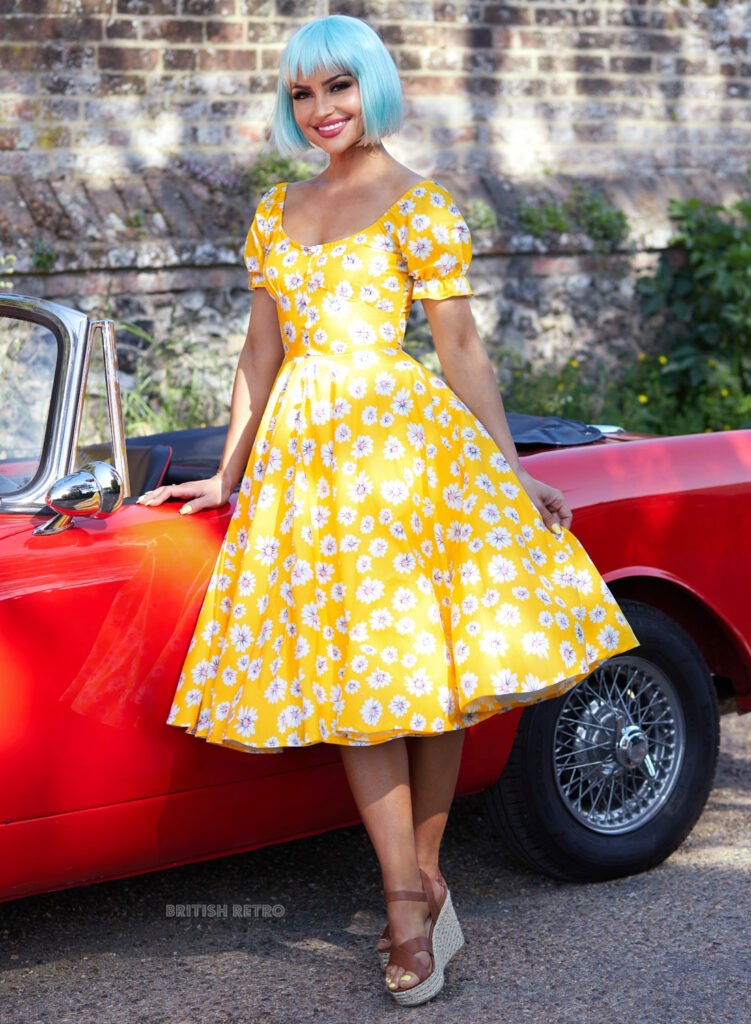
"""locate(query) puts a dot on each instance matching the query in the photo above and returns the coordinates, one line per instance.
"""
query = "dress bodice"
(355, 293)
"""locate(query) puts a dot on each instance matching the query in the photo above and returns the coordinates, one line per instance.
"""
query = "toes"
(392, 979)
(401, 979)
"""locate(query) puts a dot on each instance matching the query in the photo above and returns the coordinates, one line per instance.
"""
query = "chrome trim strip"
(76, 425)
(113, 399)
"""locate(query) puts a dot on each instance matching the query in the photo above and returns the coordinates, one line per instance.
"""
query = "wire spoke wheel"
(619, 744)
(609, 778)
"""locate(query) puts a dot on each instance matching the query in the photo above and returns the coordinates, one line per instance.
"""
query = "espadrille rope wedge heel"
(447, 932)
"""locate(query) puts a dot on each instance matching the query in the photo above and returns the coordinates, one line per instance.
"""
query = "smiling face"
(328, 109)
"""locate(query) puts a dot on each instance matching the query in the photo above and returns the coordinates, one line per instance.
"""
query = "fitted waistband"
(350, 353)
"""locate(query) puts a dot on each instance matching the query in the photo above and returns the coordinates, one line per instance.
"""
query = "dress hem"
(350, 737)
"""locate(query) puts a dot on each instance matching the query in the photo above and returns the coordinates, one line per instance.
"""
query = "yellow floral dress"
(384, 573)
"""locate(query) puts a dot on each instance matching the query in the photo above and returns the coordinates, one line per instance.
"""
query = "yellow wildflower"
(724, 393)
(641, 357)
(662, 360)
(643, 399)
(711, 362)
(573, 362)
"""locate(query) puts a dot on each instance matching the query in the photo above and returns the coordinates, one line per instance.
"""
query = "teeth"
(329, 127)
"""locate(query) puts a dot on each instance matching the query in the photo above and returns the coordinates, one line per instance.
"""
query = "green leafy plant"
(548, 391)
(265, 171)
(137, 219)
(584, 210)
(700, 293)
(604, 222)
(479, 216)
(7, 266)
(698, 302)
(43, 256)
(540, 218)
(698, 306)
(645, 394)
(270, 168)
(180, 382)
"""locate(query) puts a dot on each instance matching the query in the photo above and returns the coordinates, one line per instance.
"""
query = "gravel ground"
(669, 946)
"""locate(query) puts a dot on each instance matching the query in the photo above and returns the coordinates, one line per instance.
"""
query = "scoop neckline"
(346, 238)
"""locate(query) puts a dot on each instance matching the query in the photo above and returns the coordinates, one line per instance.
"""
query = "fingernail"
(185, 510)
(144, 502)
(556, 528)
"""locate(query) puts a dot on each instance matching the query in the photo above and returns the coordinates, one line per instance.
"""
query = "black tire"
(540, 805)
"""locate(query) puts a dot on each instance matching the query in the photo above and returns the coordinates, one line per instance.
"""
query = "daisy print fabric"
(384, 573)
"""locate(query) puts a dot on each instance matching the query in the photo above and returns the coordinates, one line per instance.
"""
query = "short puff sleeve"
(258, 242)
(436, 244)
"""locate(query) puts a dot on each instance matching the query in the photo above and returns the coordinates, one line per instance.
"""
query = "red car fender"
(665, 520)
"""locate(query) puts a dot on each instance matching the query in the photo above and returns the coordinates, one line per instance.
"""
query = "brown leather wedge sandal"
(430, 978)
(447, 930)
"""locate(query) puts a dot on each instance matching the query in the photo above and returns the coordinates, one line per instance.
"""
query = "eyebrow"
(341, 74)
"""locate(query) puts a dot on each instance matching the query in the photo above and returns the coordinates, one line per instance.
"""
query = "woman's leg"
(403, 790)
(379, 779)
(433, 770)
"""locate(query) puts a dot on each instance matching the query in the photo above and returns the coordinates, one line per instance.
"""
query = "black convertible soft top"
(180, 455)
(203, 446)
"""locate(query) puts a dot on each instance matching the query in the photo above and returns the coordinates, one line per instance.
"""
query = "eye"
(300, 94)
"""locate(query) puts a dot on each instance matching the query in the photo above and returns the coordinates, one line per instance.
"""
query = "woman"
(391, 574)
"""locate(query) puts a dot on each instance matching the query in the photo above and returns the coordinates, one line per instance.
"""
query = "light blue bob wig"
(339, 43)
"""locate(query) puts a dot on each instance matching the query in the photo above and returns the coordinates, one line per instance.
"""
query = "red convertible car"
(99, 596)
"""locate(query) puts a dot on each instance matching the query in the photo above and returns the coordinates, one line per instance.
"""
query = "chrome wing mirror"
(95, 490)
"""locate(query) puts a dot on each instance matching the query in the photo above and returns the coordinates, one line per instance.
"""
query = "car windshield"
(28, 358)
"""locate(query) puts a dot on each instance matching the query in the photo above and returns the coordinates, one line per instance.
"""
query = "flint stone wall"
(547, 300)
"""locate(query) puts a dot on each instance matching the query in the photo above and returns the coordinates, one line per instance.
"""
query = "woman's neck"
(359, 165)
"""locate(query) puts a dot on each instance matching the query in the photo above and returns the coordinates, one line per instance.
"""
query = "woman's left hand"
(548, 501)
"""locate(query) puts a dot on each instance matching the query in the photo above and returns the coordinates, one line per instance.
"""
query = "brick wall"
(110, 87)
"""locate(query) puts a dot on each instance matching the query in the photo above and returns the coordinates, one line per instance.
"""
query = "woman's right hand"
(201, 494)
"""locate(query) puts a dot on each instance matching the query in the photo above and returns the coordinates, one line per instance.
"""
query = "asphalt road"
(667, 947)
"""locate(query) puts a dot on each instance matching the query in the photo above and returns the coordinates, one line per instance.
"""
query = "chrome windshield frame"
(74, 333)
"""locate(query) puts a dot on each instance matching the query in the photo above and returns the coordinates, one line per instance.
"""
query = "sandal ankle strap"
(407, 894)
(434, 905)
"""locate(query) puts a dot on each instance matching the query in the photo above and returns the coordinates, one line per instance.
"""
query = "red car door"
(94, 625)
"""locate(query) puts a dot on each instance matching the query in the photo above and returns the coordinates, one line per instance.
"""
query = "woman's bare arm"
(257, 367)
(469, 374)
